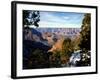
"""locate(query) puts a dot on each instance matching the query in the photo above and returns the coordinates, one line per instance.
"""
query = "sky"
(60, 19)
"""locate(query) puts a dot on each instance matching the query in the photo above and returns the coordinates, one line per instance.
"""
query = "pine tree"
(31, 18)
(85, 43)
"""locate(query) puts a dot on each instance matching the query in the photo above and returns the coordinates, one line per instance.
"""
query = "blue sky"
(61, 19)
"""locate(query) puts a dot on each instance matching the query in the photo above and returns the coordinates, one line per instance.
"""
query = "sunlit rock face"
(49, 37)
(57, 46)
(52, 37)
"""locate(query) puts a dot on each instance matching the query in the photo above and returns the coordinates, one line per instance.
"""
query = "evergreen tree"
(31, 17)
(67, 49)
(85, 43)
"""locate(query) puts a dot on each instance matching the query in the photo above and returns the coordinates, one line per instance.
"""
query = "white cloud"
(66, 17)
(52, 18)
(45, 24)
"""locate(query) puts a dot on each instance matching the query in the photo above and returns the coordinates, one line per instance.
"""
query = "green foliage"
(85, 43)
(55, 59)
(67, 47)
(31, 17)
(38, 59)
